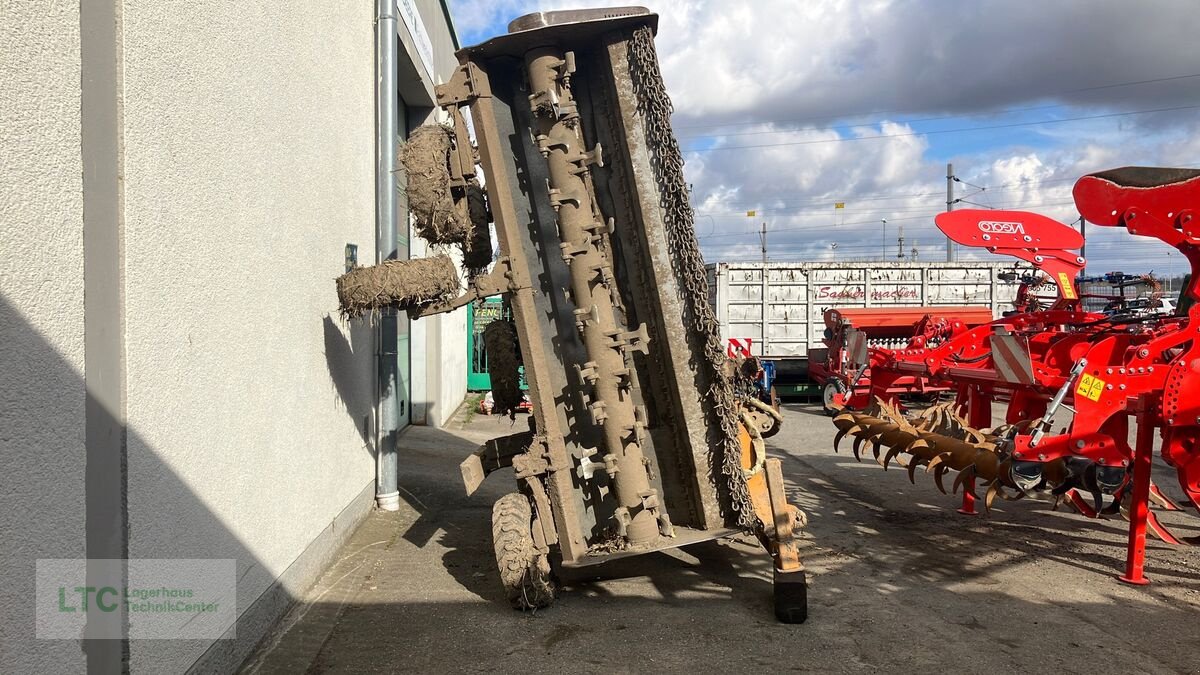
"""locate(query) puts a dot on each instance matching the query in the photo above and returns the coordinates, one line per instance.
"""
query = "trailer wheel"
(832, 386)
(791, 596)
(524, 573)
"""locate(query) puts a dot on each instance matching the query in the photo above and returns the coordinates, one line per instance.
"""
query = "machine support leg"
(968, 499)
(1139, 508)
(979, 415)
(790, 582)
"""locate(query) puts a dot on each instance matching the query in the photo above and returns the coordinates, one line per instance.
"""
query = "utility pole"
(1170, 273)
(884, 221)
(763, 236)
(1083, 248)
(900, 244)
(949, 207)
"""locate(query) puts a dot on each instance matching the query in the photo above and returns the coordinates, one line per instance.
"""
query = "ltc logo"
(1001, 227)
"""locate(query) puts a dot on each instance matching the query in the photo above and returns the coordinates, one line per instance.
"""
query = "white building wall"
(249, 164)
(439, 356)
(439, 343)
(42, 394)
(245, 137)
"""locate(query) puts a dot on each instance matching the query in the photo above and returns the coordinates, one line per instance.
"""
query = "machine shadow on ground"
(899, 582)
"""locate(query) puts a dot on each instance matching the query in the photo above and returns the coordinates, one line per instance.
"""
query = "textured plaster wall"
(41, 319)
(249, 165)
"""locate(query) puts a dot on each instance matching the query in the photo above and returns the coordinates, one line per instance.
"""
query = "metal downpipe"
(387, 494)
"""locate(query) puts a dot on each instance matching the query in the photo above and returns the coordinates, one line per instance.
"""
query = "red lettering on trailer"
(843, 293)
(901, 293)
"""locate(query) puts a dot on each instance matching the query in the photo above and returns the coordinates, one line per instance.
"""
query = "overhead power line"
(880, 196)
(837, 127)
(917, 110)
(946, 131)
(805, 212)
(826, 226)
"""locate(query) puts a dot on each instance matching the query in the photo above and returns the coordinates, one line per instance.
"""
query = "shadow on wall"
(348, 369)
(169, 519)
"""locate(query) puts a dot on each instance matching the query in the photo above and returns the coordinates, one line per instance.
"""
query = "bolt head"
(1108, 372)
(1079, 444)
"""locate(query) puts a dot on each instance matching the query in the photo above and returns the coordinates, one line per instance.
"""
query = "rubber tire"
(791, 596)
(524, 572)
(832, 386)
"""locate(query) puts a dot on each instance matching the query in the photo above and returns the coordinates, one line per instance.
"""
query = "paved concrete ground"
(898, 583)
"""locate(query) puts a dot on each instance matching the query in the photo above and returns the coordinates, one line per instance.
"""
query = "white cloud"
(797, 68)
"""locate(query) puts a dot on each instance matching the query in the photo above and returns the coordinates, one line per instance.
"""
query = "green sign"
(479, 315)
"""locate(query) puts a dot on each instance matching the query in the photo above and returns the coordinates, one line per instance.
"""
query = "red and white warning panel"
(739, 348)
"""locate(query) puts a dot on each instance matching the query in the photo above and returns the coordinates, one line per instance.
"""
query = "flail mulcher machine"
(1071, 380)
(638, 439)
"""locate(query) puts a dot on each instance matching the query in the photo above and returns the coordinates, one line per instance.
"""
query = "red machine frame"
(1105, 369)
(1033, 238)
(850, 332)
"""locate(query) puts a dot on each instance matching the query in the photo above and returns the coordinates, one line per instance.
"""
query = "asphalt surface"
(899, 582)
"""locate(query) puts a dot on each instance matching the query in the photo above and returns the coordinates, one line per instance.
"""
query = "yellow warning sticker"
(1090, 387)
(1068, 290)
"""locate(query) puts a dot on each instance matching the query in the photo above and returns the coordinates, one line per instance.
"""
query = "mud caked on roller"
(399, 284)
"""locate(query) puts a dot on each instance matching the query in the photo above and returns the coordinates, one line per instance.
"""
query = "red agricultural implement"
(862, 341)
(1069, 382)
(852, 336)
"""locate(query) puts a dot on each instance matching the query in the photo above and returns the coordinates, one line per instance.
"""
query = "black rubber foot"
(791, 597)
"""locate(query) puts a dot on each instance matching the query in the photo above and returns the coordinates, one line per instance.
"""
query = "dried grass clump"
(426, 160)
(402, 284)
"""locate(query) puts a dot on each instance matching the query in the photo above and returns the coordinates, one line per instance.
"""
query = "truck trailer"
(776, 311)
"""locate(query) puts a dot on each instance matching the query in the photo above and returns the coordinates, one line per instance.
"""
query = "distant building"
(180, 182)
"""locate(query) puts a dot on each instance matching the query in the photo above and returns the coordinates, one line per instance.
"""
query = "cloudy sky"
(787, 107)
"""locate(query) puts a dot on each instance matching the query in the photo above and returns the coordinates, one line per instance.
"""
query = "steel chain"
(655, 107)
